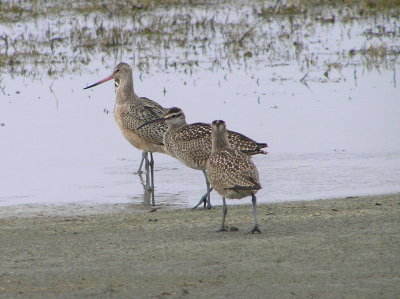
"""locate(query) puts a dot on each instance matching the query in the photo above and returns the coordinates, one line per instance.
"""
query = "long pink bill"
(101, 81)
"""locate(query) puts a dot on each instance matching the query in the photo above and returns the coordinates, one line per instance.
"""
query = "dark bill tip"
(101, 81)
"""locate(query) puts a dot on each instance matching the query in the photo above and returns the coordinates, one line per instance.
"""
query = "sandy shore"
(340, 248)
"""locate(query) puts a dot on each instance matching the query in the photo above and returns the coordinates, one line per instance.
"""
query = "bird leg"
(149, 167)
(151, 163)
(255, 226)
(144, 158)
(208, 207)
(205, 199)
(202, 200)
(223, 228)
(147, 187)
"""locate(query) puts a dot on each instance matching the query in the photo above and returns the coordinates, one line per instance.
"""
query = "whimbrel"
(191, 143)
(231, 173)
(130, 112)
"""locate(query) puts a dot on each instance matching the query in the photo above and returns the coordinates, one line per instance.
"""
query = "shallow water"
(332, 127)
(325, 140)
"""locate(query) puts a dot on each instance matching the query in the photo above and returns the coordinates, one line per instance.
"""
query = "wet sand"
(340, 248)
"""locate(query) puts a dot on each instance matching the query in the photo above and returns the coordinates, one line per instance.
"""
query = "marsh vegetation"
(56, 37)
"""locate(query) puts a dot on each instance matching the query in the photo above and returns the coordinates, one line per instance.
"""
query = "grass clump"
(185, 35)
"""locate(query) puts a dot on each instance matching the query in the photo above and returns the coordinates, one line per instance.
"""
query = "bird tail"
(256, 150)
(254, 187)
(260, 146)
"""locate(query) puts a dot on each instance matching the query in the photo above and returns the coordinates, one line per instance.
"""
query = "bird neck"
(219, 140)
(125, 91)
(175, 125)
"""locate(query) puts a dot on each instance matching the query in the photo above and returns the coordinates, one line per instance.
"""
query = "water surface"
(331, 119)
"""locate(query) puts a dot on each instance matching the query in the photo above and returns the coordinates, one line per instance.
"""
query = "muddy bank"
(332, 248)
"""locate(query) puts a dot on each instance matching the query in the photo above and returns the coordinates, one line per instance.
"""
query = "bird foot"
(228, 229)
(254, 230)
(222, 229)
(203, 208)
(203, 201)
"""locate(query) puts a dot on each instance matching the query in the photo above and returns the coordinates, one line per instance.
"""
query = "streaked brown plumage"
(191, 143)
(131, 111)
(231, 173)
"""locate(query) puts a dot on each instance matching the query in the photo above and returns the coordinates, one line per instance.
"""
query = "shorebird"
(130, 112)
(191, 144)
(149, 104)
(231, 173)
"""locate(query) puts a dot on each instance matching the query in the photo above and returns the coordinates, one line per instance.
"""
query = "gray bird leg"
(223, 228)
(205, 199)
(208, 191)
(151, 163)
(147, 166)
(144, 158)
(255, 226)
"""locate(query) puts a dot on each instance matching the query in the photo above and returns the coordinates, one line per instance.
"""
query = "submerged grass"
(183, 35)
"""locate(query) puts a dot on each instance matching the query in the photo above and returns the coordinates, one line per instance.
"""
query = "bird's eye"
(117, 70)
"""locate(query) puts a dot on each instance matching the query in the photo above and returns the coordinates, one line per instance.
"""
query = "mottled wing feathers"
(154, 108)
(137, 115)
(190, 144)
(245, 144)
(232, 169)
(200, 133)
(196, 131)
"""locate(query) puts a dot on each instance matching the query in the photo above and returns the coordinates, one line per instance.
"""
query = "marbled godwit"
(130, 112)
(231, 173)
(191, 143)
